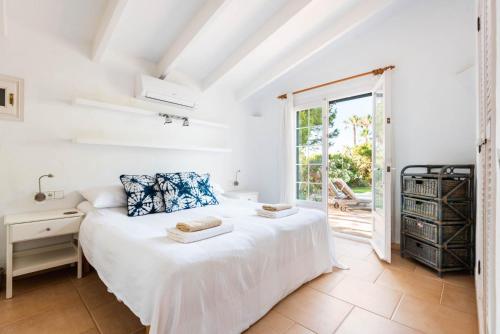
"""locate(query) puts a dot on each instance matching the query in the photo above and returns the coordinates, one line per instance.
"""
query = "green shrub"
(353, 166)
(362, 158)
(342, 166)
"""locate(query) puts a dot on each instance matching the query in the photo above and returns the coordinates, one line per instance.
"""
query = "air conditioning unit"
(157, 90)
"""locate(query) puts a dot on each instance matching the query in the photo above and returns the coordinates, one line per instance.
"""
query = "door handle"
(481, 144)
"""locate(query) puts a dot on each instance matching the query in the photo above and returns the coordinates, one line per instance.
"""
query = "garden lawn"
(360, 190)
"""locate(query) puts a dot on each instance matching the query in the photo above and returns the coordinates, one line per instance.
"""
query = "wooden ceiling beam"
(284, 16)
(355, 17)
(109, 21)
(203, 17)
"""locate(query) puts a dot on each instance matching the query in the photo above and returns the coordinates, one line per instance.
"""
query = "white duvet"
(220, 285)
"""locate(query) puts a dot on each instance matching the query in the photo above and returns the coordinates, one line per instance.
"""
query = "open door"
(486, 275)
(381, 167)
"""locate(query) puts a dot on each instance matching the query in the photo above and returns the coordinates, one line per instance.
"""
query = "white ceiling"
(73, 19)
(308, 23)
(245, 44)
(233, 25)
(148, 27)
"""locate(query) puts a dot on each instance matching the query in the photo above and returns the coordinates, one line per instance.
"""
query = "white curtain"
(287, 155)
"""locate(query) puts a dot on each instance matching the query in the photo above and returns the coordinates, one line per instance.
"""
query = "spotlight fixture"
(169, 119)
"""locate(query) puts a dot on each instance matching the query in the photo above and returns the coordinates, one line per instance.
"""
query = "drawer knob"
(47, 229)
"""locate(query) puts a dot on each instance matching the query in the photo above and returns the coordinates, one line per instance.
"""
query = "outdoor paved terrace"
(353, 222)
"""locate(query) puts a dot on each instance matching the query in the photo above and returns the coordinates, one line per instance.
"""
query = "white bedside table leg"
(8, 274)
(79, 264)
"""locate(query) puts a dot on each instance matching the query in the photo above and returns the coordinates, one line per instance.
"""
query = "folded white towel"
(198, 224)
(277, 207)
(187, 237)
(277, 214)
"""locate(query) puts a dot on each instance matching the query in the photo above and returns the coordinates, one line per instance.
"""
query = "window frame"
(307, 202)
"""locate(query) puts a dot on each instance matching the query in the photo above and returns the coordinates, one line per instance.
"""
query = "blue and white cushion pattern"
(186, 190)
(143, 195)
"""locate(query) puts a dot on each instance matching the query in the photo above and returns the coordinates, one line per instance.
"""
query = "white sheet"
(217, 285)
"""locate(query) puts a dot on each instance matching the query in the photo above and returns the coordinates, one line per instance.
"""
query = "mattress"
(219, 285)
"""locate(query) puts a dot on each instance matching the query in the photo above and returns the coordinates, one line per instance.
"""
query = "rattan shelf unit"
(437, 216)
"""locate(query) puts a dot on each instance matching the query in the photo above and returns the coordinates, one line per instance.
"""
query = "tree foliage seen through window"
(353, 164)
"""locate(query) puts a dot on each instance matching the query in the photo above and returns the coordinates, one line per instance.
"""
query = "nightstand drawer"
(44, 229)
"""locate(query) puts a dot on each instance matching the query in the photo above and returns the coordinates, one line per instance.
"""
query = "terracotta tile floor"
(371, 297)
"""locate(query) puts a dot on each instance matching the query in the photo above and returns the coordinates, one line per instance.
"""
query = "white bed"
(219, 285)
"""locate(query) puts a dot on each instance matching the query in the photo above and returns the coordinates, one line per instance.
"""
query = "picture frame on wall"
(11, 98)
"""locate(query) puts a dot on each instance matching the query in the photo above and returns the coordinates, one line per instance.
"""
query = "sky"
(361, 107)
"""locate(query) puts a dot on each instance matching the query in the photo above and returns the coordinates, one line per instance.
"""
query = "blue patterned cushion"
(186, 190)
(143, 195)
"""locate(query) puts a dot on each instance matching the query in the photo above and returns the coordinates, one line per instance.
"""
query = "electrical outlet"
(59, 194)
(54, 194)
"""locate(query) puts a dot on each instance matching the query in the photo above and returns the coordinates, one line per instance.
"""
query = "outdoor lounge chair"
(341, 196)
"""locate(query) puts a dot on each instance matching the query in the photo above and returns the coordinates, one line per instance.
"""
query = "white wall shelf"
(140, 111)
(111, 142)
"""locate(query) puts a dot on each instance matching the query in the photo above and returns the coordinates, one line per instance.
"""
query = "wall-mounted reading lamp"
(40, 196)
(236, 182)
(170, 117)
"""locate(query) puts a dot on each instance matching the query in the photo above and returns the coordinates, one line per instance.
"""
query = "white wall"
(432, 44)
(55, 71)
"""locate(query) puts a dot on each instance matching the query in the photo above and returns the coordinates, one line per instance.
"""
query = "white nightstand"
(246, 195)
(38, 225)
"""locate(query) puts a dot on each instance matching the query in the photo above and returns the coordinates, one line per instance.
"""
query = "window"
(309, 155)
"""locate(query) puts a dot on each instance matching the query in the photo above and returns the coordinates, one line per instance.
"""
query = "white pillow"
(218, 190)
(85, 207)
(106, 196)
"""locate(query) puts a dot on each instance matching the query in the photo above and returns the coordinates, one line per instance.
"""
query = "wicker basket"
(429, 187)
(453, 234)
(420, 228)
(439, 258)
(436, 210)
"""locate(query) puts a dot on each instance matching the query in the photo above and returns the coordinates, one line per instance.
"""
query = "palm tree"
(365, 124)
(354, 121)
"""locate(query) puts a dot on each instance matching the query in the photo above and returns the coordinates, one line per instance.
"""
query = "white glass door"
(310, 161)
(381, 237)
